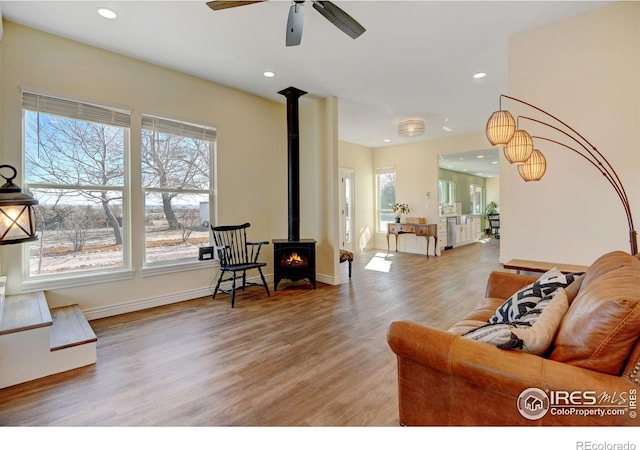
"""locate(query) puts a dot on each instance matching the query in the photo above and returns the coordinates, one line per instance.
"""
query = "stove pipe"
(293, 152)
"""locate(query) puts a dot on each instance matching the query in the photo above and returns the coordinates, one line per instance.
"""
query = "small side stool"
(346, 256)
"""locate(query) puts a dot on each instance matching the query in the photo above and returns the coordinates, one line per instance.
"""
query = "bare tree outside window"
(76, 169)
(77, 153)
(176, 176)
(174, 162)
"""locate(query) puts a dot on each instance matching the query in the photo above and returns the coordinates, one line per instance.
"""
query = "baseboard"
(137, 305)
(177, 297)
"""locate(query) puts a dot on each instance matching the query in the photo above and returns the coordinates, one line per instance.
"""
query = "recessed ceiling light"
(107, 13)
(387, 140)
(494, 162)
(480, 156)
(269, 74)
(479, 75)
(447, 129)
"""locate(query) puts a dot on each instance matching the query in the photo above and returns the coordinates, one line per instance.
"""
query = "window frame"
(166, 122)
(379, 211)
(88, 111)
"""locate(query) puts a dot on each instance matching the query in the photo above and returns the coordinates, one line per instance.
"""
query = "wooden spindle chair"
(236, 256)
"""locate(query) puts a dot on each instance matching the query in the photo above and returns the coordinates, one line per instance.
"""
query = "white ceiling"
(481, 163)
(416, 59)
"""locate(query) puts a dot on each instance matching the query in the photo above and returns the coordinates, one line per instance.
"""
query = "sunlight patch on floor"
(379, 263)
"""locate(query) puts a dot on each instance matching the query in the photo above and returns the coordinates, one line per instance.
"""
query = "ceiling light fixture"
(107, 13)
(479, 75)
(269, 74)
(411, 128)
(501, 130)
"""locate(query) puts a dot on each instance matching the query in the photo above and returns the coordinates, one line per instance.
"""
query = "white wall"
(585, 71)
(360, 159)
(319, 184)
(252, 167)
(493, 191)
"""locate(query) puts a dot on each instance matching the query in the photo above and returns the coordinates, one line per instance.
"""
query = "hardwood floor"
(301, 357)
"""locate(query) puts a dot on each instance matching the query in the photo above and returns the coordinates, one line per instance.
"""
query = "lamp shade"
(533, 168)
(411, 128)
(500, 127)
(17, 215)
(519, 148)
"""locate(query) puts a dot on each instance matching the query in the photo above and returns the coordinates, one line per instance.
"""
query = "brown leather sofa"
(589, 375)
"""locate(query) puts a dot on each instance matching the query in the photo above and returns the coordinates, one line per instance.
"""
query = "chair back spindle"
(237, 255)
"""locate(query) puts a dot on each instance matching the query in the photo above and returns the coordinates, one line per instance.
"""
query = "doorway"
(346, 206)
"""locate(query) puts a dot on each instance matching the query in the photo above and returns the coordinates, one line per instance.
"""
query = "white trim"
(327, 279)
(137, 305)
(70, 280)
(177, 297)
(153, 269)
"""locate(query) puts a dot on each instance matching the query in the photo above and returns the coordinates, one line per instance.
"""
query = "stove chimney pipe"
(293, 152)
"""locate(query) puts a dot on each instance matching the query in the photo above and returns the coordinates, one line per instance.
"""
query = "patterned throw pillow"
(534, 334)
(529, 296)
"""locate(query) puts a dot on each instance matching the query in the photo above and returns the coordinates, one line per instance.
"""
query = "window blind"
(75, 110)
(183, 129)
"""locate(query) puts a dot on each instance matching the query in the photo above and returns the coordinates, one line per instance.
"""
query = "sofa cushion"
(608, 262)
(603, 324)
(534, 334)
(527, 298)
(476, 317)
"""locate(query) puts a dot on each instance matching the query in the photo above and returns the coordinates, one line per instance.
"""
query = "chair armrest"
(505, 284)
(255, 250)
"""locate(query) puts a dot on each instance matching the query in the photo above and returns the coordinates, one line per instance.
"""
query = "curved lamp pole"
(502, 130)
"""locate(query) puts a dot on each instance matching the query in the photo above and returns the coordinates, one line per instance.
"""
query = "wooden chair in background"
(236, 257)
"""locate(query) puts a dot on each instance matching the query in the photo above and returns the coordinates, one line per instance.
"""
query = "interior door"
(346, 208)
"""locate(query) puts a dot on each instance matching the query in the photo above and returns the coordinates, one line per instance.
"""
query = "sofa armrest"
(444, 379)
(504, 284)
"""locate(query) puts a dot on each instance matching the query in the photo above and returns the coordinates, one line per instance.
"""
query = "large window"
(386, 197)
(75, 166)
(177, 182)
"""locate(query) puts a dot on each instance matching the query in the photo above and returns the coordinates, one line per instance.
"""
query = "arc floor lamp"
(502, 129)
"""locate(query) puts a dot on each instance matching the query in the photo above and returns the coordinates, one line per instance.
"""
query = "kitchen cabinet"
(467, 229)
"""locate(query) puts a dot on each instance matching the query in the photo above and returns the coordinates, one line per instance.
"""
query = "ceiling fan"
(330, 11)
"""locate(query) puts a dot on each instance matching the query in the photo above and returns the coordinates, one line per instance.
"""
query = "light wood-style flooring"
(301, 357)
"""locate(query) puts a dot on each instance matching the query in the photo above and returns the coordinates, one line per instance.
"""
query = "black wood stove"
(294, 258)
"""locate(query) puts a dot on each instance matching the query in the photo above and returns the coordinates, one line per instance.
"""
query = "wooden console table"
(541, 266)
(428, 230)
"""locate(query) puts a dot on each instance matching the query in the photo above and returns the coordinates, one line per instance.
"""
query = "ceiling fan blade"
(339, 18)
(223, 4)
(295, 23)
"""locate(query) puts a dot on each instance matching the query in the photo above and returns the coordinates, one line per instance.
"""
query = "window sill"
(164, 268)
(74, 280)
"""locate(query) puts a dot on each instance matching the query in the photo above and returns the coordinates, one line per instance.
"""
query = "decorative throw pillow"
(534, 335)
(527, 297)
